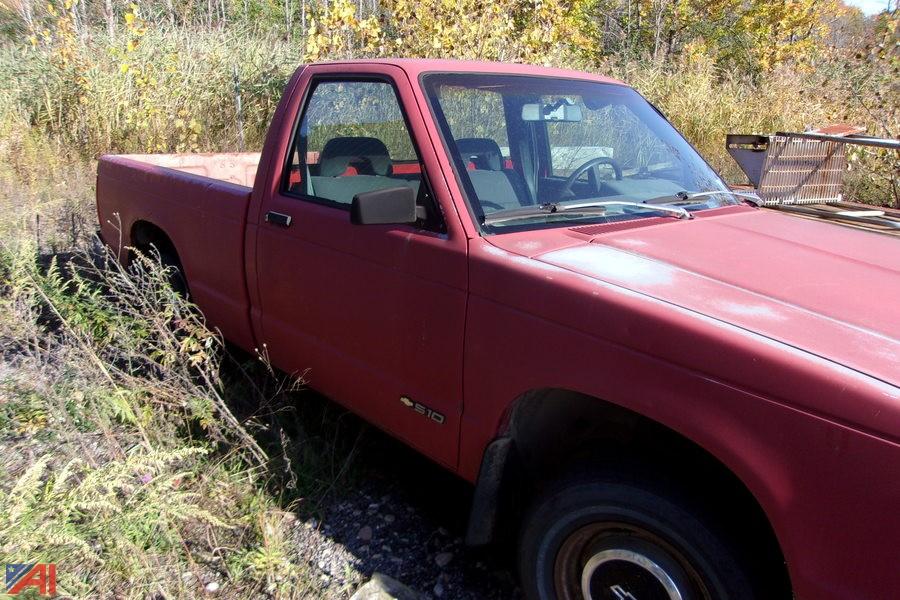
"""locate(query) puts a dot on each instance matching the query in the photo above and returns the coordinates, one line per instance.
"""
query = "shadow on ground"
(362, 502)
(368, 503)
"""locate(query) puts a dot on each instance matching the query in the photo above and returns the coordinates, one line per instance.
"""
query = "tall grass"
(123, 460)
(706, 104)
(123, 463)
(178, 89)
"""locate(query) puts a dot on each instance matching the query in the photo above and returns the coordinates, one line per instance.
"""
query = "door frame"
(272, 192)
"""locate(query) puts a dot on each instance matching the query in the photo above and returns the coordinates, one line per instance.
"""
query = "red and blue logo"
(21, 576)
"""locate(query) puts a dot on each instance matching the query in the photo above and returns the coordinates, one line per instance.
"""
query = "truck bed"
(200, 201)
(234, 167)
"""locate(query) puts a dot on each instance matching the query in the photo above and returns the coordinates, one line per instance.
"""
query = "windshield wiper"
(747, 197)
(598, 206)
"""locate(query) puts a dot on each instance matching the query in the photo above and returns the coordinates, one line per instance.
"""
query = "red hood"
(829, 290)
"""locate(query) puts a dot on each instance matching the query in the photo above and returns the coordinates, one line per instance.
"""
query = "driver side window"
(352, 138)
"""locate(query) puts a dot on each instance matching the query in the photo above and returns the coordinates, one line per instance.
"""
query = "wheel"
(176, 273)
(592, 163)
(608, 539)
(169, 260)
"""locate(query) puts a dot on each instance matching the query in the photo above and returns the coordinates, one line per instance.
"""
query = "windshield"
(520, 142)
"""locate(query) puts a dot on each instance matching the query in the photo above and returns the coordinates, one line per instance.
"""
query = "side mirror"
(390, 206)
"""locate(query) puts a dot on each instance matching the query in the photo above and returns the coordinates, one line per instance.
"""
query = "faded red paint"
(770, 341)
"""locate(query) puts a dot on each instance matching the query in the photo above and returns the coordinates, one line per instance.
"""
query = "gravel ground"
(403, 516)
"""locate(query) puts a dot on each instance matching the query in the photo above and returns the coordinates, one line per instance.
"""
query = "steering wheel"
(587, 165)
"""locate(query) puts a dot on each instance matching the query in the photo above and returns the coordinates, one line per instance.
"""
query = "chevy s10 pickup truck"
(657, 388)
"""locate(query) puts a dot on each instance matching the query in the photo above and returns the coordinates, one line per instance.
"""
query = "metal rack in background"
(803, 173)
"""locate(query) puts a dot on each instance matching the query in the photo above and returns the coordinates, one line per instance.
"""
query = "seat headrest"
(484, 152)
(369, 155)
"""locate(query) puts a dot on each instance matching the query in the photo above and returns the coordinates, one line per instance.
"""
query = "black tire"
(177, 279)
(624, 534)
(169, 260)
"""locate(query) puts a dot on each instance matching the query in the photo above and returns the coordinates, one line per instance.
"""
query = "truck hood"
(828, 290)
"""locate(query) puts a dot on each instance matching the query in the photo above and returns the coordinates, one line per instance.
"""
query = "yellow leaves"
(784, 31)
(31, 422)
(59, 37)
(192, 348)
(313, 49)
(696, 52)
(344, 11)
(135, 26)
(474, 29)
(187, 133)
(336, 32)
(135, 29)
(443, 28)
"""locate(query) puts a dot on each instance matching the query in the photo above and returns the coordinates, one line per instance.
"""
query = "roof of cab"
(416, 66)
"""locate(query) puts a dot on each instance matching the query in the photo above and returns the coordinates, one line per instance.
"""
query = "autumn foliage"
(185, 75)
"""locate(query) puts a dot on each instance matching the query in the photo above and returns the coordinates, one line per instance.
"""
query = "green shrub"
(124, 464)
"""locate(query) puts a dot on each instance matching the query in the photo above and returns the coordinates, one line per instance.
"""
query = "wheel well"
(146, 235)
(556, 431)
(148, 239)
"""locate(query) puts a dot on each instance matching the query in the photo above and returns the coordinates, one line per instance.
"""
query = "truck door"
(371, 315)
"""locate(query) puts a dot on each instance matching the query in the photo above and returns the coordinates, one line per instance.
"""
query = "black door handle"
(277, 218)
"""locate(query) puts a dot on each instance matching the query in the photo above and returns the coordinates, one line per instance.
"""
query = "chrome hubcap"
(626, 575)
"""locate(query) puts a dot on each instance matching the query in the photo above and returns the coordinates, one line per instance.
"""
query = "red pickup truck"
(528, 275)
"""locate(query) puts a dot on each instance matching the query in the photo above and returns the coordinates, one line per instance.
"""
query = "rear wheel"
(607, 539)
(168, 259)
(177, 280)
